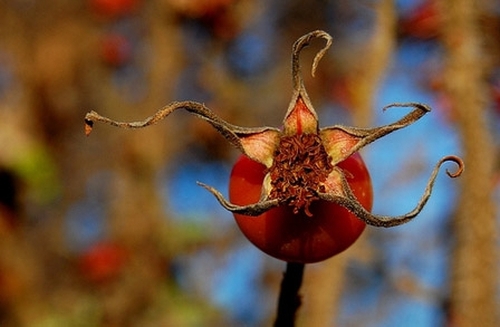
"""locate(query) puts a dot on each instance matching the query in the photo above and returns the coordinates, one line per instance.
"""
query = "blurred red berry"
(113, 8)
(102, 262)
(495, 94)
(116, 49)
(423, 22)
(216, 15)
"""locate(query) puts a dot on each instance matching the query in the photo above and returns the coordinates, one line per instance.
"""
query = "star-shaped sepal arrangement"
(301, 159)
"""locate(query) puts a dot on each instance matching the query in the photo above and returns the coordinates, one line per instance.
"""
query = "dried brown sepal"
(342, 141)
(254, 209)
(257, 143)
(349, 201)
(301, 116)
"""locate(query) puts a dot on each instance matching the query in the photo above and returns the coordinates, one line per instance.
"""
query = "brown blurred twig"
(474, 285)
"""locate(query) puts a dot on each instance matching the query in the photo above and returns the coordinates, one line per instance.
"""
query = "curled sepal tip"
(255, 209)
(460, 166)
(301, 43)
(349, 201)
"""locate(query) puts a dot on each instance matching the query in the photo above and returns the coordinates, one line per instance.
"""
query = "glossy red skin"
(296, 237)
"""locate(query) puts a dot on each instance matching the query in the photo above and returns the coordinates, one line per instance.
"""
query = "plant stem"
(289, 299)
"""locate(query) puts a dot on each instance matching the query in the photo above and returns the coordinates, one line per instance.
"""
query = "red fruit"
(296, 237)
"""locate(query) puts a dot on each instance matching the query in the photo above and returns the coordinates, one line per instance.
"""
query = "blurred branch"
(475, 257)
(371, 68)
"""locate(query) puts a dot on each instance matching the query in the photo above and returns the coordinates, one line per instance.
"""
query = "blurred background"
(112, 230)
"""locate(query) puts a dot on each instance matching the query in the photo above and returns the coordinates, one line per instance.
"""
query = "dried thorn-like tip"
(417, 105)
(458, 161)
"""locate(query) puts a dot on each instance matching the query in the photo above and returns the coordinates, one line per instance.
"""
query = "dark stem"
(289, 299)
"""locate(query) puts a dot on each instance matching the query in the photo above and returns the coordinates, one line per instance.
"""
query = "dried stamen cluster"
(300, 167)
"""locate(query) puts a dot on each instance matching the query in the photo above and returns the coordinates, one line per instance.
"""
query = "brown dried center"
(300, 166)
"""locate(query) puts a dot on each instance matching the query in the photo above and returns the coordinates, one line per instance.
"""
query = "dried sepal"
(301, 116)
(349, 201)
(342, 141)
(254, 209)
(257, 143)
